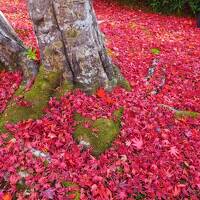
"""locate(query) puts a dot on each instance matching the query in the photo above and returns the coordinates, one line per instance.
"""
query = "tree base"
(30, 104)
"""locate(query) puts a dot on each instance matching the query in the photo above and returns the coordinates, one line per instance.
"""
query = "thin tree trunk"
(13, 52)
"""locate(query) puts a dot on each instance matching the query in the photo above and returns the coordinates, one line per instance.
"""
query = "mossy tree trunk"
(69, 39)
(72, 52)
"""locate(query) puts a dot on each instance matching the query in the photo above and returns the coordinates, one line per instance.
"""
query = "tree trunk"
(72, 52)
(69, 39)
(13, 52)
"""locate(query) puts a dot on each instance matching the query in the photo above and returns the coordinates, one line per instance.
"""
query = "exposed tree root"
(181, 114)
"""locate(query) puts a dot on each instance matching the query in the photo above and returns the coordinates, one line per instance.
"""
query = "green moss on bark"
(65, 87)
(101, 132)
(121, 81)
(44, 87)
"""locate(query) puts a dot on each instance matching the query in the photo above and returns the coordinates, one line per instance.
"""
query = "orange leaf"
(7, 196)
(101, 93)
(109, 100)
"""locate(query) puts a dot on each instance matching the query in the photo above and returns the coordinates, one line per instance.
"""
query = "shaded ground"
(156, 155)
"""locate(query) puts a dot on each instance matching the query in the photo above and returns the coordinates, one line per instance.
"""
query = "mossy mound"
(186, 114)
(100, 133)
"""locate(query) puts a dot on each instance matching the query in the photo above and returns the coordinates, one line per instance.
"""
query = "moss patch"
(65, 87)
(125, 84)
(121, 81)
(186, 114)
(75, 193)
(181, 114)
(21, 185)
(140, 196)
(100, 133)
(44, 87)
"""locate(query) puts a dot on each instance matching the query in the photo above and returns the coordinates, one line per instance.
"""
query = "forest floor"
(157, 153)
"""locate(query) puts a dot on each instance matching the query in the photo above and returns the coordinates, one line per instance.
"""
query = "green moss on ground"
(21, 185)
(100, 134)
(140, 196)
(76, 193)
(44, 87)
(125, 84)
(181, 114)
(186, 114)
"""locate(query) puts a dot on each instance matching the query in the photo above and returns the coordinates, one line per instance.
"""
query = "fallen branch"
(179, 114)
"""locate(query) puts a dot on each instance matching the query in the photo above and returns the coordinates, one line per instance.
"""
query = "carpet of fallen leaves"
(156, 156)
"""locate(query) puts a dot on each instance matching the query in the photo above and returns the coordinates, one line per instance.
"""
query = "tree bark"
(13, 52)
(69, 39)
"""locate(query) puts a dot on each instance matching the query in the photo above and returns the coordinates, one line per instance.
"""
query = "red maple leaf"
(138, 143)
(101, 93)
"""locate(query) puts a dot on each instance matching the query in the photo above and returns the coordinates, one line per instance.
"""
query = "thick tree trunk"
(13, 52)
(72, 52)
(70, 40)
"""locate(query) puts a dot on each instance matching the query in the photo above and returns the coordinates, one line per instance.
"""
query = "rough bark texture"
(70, 40)
(13, 52)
